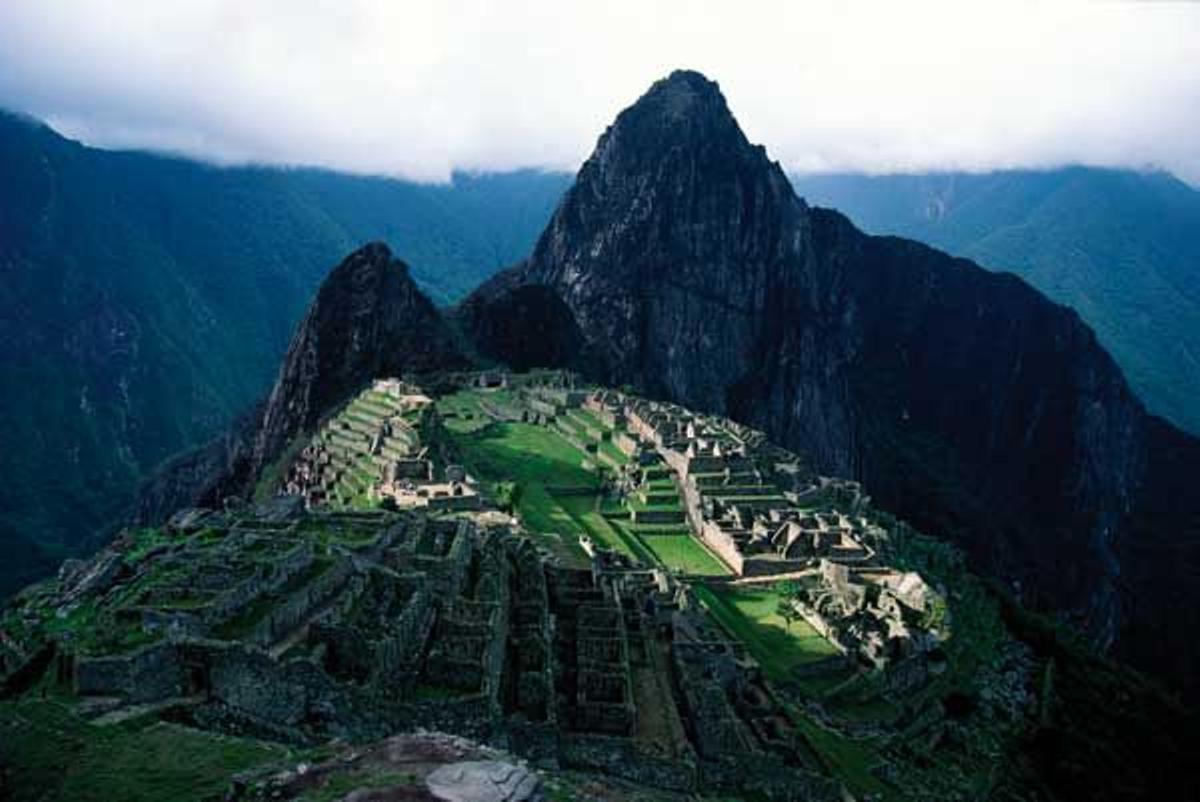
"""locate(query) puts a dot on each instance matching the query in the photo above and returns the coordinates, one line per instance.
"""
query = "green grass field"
(683, 553)
(542, 514)
(587, 417)
(461, 412)
(52, 754)
(536, 458)
(607, 447)
(589, 520)
(525, 453)
(749, 613)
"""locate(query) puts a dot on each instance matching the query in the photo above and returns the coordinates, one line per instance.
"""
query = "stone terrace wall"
(620, 758)
(150, 674)
(291, 612)
(721, 544)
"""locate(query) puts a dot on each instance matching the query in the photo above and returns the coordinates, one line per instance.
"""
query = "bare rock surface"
(485, 781)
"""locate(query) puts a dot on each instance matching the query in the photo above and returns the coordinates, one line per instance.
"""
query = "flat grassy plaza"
(749, 613)
(559, 497)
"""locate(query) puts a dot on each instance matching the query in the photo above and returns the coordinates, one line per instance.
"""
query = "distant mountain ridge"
(1120, 247)
(147, 301)
(968, 402)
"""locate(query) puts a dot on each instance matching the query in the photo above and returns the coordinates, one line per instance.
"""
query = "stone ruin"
(880, 616)
(356, 625)
(754, 505)
(373, 450)
(297, 620)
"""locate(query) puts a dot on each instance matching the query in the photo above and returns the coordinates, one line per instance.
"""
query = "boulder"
(485, 781)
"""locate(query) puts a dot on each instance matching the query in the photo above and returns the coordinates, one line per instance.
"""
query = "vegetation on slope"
(48, 753)
(148, 301)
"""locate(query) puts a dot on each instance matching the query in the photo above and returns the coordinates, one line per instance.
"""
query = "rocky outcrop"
(523, 325)
(202, 476)
(369, 320)
(485, 781)
(968, 403)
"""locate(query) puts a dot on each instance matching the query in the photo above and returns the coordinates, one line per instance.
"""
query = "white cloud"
(420, 89)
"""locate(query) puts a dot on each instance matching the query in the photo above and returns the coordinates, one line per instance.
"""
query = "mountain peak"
(684, 110)
(673, 174)
(684, 92)
(369, 320)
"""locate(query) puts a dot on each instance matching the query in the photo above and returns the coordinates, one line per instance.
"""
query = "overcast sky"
(419, 89)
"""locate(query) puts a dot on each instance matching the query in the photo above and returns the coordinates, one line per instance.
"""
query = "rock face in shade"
(369, 320)
(968, 402)
(523, 325)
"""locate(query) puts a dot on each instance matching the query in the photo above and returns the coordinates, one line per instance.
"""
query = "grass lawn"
(850, 760)
(614, 453)
(537, 458)
(525, 453)
(663, 504)
(54, 755)
(457, 407)
(570, 423)
(583, 510)
(585, 416)
(542, 514)
(683, 553)
(749, 614)
(679, 551)
(653, 530)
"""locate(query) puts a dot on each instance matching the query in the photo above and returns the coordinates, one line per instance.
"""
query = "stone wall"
(627, 444)
(620, 758)
(282, 694)
(765, 566)
(395, 654)
(290, 613)
(150, 674)
(766, 774)
(723, 546)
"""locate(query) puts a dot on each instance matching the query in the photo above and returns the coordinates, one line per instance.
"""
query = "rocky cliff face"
(968, 402)
(368, 320)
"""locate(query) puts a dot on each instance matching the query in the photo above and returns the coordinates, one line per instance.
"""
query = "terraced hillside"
(647, 602)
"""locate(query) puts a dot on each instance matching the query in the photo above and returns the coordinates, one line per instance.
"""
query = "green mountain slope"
(1120, 247)
(144, 301)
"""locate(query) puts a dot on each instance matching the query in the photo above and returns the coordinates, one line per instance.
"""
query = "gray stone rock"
(485, 781)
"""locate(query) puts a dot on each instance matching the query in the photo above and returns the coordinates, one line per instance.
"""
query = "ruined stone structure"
(376, 438)
(373, 449)
(882, 617)
(754, 505)
(302, 626)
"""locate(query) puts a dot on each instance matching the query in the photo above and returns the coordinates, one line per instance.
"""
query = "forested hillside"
(148, 300)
